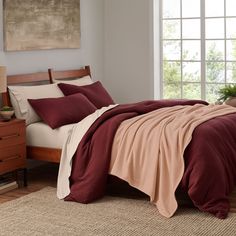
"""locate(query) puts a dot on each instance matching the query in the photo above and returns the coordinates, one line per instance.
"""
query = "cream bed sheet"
(41, 135)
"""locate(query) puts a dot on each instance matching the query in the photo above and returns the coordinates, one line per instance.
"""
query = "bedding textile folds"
(148, 151)
(92, 159)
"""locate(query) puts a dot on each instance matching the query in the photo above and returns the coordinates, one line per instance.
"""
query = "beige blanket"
(148, 150)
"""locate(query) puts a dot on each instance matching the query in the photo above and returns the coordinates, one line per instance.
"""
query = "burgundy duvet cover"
(210, 158)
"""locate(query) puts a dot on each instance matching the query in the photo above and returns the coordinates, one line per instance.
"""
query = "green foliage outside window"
(214, 68)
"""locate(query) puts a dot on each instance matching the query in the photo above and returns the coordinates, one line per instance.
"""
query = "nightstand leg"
(25, 177)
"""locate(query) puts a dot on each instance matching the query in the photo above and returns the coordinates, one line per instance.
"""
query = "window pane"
(231, 72)
(231, 50)
(171, 50)
(191, 71)
(172, 91)
(230, 7)
(171, 8)
(171, 29)
(215, 28)
(215, 72)
(214, 8)
(191, 50)
(220, 52)
(230, 27)
(171, 72)
(215, 50)
(190, 8)
(192, 91)
(212, 92)
(191, 29)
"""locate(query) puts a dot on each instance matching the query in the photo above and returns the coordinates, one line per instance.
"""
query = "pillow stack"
(19, 96)
(47, 103)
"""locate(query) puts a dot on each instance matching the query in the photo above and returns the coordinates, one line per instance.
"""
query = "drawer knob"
(9, 136)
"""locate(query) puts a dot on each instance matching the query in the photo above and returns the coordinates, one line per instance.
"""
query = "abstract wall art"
(41, 24)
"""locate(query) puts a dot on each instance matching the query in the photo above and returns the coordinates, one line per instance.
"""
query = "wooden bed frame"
(43, 153)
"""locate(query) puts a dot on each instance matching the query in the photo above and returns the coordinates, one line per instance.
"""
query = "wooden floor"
(38, 178)
(46, 175)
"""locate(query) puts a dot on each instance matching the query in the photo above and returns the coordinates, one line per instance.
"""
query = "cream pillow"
(86, 80)
(19, 96)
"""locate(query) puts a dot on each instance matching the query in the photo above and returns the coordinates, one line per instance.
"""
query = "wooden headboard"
(23, 79)
(68, 74)
(42, 77)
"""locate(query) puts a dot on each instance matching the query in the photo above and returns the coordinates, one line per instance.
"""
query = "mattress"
(41, 135)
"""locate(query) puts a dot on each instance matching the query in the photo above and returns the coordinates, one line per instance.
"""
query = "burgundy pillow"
(64, 110)
(95, 92)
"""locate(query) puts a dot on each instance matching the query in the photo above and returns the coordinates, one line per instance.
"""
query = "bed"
(41, 152)
(96, 146)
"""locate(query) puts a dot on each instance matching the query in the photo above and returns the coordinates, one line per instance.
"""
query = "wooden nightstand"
(13, 147)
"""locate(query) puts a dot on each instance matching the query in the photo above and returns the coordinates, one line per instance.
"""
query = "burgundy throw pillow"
(95, 92)
(64, 110)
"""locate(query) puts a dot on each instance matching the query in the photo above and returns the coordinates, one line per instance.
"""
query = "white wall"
(129, 59)
(116, 40)
(90, 53)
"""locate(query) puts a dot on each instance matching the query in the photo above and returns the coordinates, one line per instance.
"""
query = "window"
(198, 47)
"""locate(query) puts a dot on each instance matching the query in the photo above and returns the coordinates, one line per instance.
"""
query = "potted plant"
(228, 95)
(6, 112)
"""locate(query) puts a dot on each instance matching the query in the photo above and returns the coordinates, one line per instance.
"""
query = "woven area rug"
(41, 213)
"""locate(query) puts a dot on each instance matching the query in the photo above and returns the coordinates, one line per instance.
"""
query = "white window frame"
(203, 41)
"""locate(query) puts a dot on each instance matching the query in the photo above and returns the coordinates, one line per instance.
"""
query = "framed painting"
(41, 24)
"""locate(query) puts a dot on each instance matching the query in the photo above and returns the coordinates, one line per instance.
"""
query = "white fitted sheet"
(41, 135)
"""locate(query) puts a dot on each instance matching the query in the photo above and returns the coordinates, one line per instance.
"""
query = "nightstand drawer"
(12, 135)
(12, 165)
(12, 158)
(18, 151)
